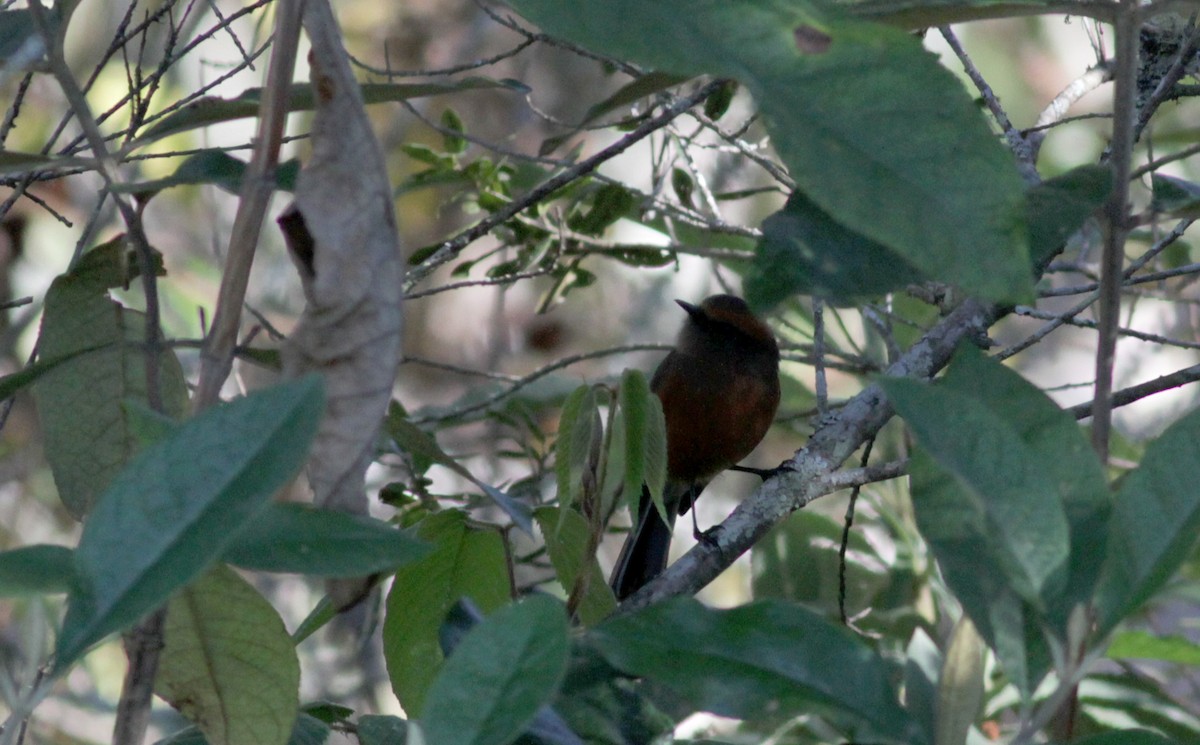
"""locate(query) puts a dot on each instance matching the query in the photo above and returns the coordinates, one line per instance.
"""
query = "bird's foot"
(764, 473)
(707, 537)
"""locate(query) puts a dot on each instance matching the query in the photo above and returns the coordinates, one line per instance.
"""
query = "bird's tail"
(644, 555)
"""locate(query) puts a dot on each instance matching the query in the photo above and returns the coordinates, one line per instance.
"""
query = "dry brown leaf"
(342, 234)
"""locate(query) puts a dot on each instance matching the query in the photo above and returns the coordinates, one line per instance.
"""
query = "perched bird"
(719, 389)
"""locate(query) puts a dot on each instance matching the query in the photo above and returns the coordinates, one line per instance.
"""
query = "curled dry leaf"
(342, 234)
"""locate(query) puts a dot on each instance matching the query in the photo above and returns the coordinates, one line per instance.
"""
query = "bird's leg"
(701, 536)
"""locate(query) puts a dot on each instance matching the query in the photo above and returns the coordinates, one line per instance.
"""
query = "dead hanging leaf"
(342, 233)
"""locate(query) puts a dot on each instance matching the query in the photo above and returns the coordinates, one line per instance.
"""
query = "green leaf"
(412, 439)
(1127, 737)
(915, 14)
(12, 161)
(214, 167)
(19, 39)
(505, 669)
(683, 185)
(95, 345)
(805, 252)
(895, 151)
(145, 424)
(1006, 454)
(645, 436)
(1154, 524)
(228, 663)
(574, 449)
(976, 577)
(635, 90)
(635, 255)
(172, 511)
(1060, 448)
(455, 144)
(308, 730)
(1175, 196)
(324, 543)
(1004, 500)
(610, 203)
(377, 729)
(14, 382)
(213, 110)
(1142, 645)
(466, 562)
(36, 570)
(765, 657)
(566, 533)
(960, 685)
(717, 104)
(1058, 207)
(922, 670)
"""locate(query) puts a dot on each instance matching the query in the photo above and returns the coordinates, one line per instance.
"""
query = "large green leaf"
(1004, 619)
(1127, 737)
(466, 562)
(325, 543)
(1005, 503)
(1012, 501)
(505, 669)
(804, 251)
(566, 535)
(873, 130)
(576, 447)
(1057, 207)
(645, 435)
(99, 361)
(1060, 449)
(173, 510)
(228, 663)
(1142, 645)
(914, 14)
(766, 657)
(1156, 518)
(308, 730)
(214, 167)
(36, 570)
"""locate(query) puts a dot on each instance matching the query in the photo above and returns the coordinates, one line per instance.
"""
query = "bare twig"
(537, 375)
(1126, 396)
(451, 248)
(1016, 141)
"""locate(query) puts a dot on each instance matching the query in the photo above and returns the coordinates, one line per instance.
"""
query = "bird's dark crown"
(732, 313)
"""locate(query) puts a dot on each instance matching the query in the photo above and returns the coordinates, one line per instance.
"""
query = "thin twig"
(1024, 310)
(847, 524)
(1016, 141)
(451, 248)
(1075, 310)
(1126, 396)
(537, 375)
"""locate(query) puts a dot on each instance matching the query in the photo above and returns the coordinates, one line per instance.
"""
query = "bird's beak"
(692, 310)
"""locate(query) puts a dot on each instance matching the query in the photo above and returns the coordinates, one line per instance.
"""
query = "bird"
(719, 389)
